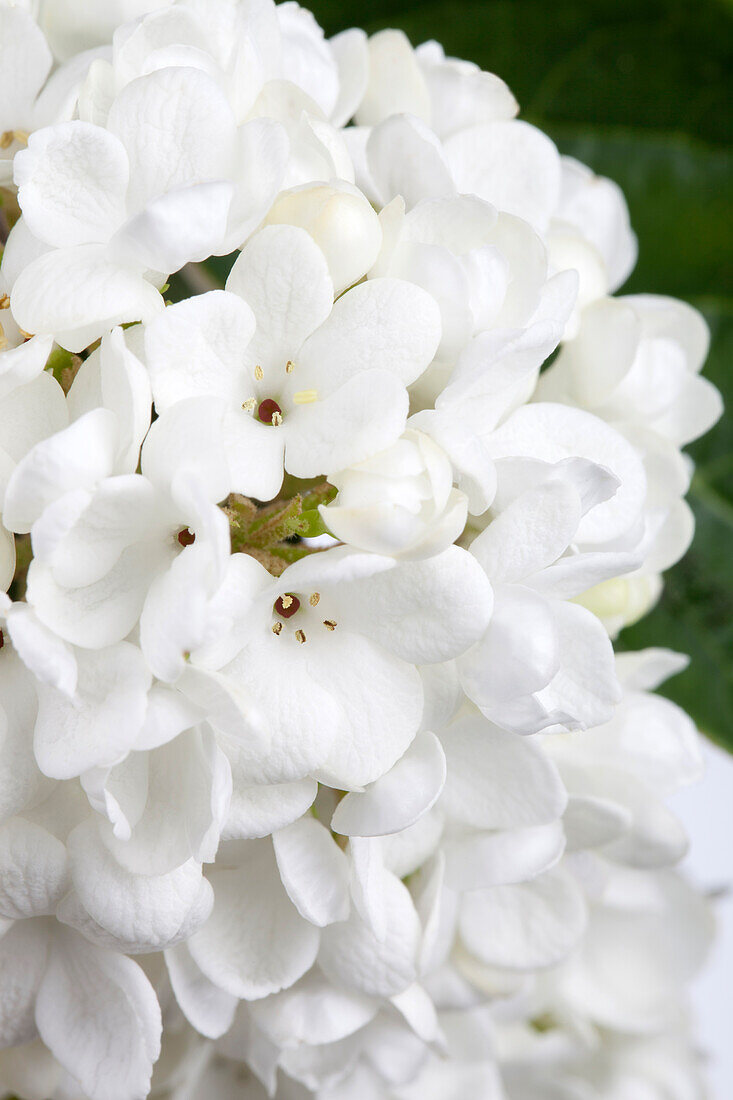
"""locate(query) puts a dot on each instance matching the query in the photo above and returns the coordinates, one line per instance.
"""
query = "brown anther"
(249, 404)
(2, 639)
(299, 634)
(276, 628)
(289, 366)
(6, 139)
(329, 624)
(269, 412)
(286, 606)
(4, 301)
(24, 334)
(314, 598)
(186, 537)
(259, 373)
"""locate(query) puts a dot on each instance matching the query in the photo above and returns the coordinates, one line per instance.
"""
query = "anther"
(299, 634)
(289, 366)
(3, 337)
(305, 397)
(2, 639)
(24, 334)
(249, 404)
(314, 598)
(276, 628)
(6, 139)
(4, 301)
(329, 624)
(186, 537)
(269, 412)
(259, 373)
(286, 606)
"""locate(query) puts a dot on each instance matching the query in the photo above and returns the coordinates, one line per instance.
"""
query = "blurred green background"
(641, 91)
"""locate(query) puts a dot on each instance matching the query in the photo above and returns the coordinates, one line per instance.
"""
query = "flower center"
(286, 606)
(269, 412)
(185, 537)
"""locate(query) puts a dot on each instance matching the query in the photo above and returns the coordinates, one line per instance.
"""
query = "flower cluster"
(318, 774)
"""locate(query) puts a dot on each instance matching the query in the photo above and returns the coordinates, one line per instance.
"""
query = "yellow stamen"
(329, 624)
(276, 420)
(300, 636)
(313, 600)
(24, 334)
(249, 404)
(259, 373)
(289, 366)
(305, 397)
(3, 337)
(276, 628)
(286, 601)
(4, 301)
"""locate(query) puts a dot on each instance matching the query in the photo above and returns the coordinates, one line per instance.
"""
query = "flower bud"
(401, 502)
(622, 601)
(341, 222)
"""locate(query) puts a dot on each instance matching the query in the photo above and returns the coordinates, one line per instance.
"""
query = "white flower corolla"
(486, 270)
(291, 378)
(74, 26)
(622, 601)
(92, 1007)
(535, 553)
(103, 205)
(619, 774)
(340, 221)
(401, 502)
(446, 93)
(335, 640)
(493, 376)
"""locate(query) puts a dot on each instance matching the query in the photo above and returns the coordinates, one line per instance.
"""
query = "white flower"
(544, 661)
(104, 205)
(401, 502)
(340, 221)
(291, 378)
(94, 1009)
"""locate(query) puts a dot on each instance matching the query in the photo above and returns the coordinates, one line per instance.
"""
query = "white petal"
(532, 925)
(424, 611)
(481, 860)
(75, 458)
(255, 942)
(511, 164)
(405, 158)
(77, 294)
(178, 130)
(34, 872)
(312, 1012)
(283, 276)
(382, 324)
(496, 779)
(209, 1009)
(107, 1034)
(72, 181)
(23, 954)
(153, 238)
(258, 811)
(314, 871)
(143, 912)
(395, 82)
(363, 416)
(194, 349)
(400, 797)
(351, 955)
(100, 724)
